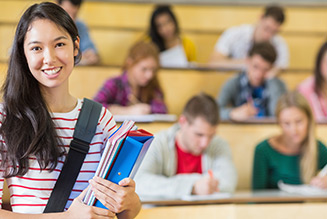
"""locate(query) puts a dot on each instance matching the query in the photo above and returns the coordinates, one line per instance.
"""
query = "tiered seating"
(115, 26)
(178, 84)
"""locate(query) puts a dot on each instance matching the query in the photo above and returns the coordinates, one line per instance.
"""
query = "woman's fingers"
(114, 197)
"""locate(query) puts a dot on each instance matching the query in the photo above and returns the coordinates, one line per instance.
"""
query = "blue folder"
(128, 160)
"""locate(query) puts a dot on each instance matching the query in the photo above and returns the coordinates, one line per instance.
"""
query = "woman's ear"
(76, 46)
(182, 120)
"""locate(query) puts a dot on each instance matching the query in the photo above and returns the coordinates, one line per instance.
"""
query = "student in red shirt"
(180, 159)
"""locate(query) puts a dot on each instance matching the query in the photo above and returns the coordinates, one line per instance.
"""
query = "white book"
(174, 57)
(302, 189)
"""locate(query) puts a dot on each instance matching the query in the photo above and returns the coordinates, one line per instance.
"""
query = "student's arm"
(89, 57)
(107, 93)
(156, 175)
(260, 169)
(320, 180)
(220, 57)
(158, 104)
(89, 52)
(226, 98)
(223, 168)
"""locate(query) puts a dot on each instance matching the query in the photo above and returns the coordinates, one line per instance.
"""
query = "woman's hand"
(319, 181)
(80, 210)
(117, 198)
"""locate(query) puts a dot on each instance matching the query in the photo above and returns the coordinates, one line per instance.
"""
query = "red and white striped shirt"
(30, 193)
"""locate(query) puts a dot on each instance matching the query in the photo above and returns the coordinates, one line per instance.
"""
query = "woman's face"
(49, 51)
(294, 123)
(323, 66)
(143, 71)
(165, 26)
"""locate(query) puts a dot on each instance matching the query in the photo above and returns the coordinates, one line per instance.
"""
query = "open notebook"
(174, 57)
(302, 189)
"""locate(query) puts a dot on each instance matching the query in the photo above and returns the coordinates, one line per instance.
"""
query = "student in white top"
(175, 49)
(232, 47)
(38, 117)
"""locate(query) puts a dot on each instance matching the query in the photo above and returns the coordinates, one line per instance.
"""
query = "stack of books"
(122, 156)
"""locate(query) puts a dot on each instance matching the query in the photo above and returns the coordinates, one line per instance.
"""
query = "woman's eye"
(60, 44)
(36, 48)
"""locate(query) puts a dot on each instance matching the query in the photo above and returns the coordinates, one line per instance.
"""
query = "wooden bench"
(113, 32)
(86, 81)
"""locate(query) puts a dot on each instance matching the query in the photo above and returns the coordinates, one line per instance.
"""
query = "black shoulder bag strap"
(84, 131)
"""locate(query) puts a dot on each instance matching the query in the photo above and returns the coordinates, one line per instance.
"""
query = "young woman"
(294, 156)
(164, 32)
(38, 117)
(137, 90)
(314, 88)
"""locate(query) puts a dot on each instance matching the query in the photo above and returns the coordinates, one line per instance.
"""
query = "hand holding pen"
(320, 180)
(206, 185)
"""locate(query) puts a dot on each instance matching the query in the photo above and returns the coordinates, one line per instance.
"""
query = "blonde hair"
(309, 154)
(138, 52)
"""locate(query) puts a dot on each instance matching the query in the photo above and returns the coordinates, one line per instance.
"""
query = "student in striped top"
(38, 117)
(295, 155)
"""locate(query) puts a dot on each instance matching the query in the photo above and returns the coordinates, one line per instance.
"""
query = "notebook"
(174, 57)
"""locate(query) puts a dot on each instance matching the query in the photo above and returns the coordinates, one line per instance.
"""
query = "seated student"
(180, 158)
(137, 90)
(234, 44)
(38, 117)
(250, 94)
(175, 50)
(314, 88)
(89, 52)
(295, 155)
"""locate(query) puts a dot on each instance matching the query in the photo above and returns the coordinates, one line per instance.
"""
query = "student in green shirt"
(295, 156)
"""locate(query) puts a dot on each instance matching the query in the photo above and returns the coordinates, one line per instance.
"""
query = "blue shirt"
(258, 101)
(85, 39)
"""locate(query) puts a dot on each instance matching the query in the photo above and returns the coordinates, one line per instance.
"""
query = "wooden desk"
(265, 196)
(235, 211)
(242, 139)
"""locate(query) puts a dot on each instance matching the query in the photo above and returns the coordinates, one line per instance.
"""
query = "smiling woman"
(38, 118)
(50, 56)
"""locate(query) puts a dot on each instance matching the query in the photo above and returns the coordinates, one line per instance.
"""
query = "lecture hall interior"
(115, 25)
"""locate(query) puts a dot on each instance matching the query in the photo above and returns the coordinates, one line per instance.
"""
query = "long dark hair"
(153, 31)
(27, 128)
(319, 79)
